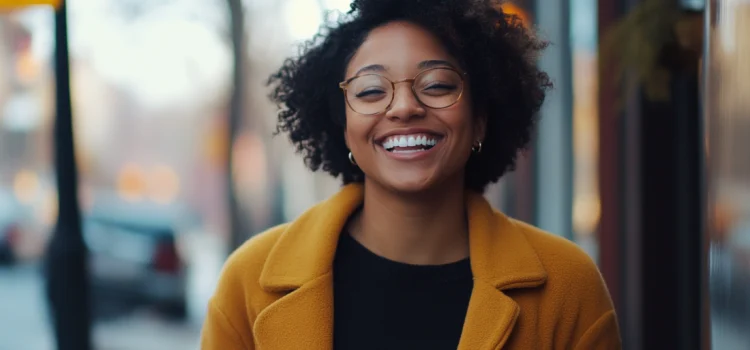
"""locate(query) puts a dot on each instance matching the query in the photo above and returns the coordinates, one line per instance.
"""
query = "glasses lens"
(438, 88)
(369, 94)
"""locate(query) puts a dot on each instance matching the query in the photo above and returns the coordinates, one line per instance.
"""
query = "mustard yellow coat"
(532, 290)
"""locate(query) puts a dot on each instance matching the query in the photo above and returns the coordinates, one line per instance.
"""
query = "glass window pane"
(150, 83)
(586, 204)
(728, 130)
(28, 194)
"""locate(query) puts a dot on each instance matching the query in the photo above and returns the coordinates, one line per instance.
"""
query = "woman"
(418, 105)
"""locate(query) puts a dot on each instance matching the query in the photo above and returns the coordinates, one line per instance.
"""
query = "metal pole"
(66, 258)
(238, 228)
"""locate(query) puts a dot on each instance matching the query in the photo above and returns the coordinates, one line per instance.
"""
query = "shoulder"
(574, 288)
(241, 273)
(255, 250)
(573, 277)
(561, 258)
(238, 297)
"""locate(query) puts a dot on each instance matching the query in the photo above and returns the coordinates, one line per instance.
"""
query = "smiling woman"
(407, 109)
(418, 106)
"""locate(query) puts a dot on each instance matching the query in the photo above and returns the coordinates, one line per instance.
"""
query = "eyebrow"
(435, 63)
(379, 68)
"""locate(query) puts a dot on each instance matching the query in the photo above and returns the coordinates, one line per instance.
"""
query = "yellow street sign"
(16, 4)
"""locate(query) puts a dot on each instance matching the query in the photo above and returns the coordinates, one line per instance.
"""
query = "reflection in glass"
(28, 193)
(727, 93)
(586, 205)
(150, 82)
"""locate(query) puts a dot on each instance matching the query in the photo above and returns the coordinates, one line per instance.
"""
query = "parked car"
(10, 227)
(135, 255)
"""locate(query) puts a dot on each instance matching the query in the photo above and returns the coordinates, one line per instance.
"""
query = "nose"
(405, 105)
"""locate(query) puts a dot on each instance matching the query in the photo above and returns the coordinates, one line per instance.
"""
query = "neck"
(421, 229)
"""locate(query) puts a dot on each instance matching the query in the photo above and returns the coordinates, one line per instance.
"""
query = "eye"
(439, 88)
(369, 88)
(438, 82)
(370, 93)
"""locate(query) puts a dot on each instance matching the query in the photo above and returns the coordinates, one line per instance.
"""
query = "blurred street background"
(641, 158)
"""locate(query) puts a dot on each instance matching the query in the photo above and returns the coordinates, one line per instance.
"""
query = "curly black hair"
(497, 51)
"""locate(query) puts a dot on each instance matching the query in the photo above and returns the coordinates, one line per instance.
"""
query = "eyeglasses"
(436, 88)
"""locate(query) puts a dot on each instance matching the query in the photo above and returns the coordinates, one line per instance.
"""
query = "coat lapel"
(489, 320)
(299, 268)
(302, 319)
(501, 259)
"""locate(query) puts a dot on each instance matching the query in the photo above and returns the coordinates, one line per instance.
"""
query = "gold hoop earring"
(351, 159)
(477, 148)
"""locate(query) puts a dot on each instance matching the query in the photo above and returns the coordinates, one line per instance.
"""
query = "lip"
(408, 131)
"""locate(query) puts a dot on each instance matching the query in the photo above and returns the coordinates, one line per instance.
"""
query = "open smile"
(410, 146)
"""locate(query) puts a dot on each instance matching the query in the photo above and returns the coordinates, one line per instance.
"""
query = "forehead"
(399, 47)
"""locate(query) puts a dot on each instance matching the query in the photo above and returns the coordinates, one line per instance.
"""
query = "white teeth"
(409, 141)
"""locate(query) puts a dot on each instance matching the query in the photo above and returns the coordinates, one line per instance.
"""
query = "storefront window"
(586, 204)
(727, 96)
(28, 193)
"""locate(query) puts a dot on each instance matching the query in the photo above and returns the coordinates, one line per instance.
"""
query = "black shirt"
(382, 304)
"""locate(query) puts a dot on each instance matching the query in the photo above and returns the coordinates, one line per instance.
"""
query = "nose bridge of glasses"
(410, 95)
(410, 81)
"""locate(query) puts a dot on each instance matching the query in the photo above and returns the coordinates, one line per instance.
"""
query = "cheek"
(461, 122)
(357, 131)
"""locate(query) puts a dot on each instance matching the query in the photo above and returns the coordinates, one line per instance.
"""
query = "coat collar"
(500, 254)
(300, 267)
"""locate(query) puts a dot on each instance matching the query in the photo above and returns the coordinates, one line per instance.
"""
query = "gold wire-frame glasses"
(382, 105)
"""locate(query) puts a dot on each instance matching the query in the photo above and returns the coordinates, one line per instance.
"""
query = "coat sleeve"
(219, 334)
(604, 334)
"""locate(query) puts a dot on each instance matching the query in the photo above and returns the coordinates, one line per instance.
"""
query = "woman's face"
(409, 147)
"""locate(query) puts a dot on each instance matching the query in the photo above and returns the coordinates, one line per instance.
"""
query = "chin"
(410, 184)
(415, 180)
(411, 187)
